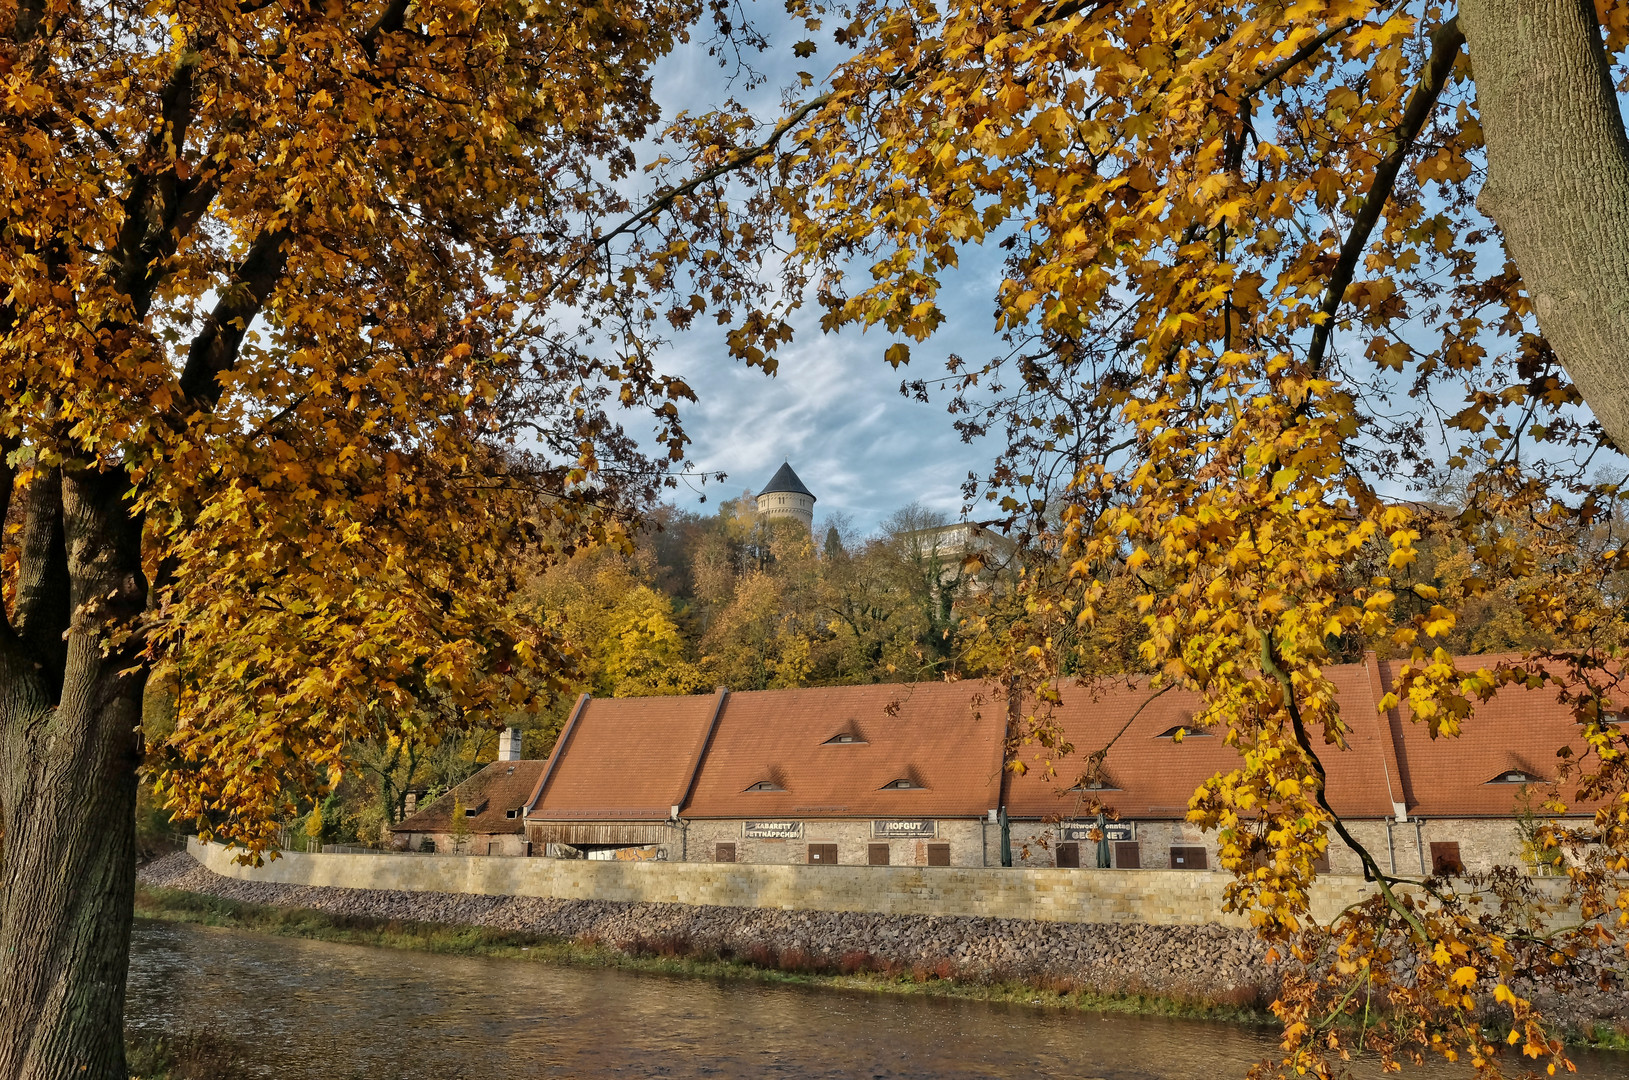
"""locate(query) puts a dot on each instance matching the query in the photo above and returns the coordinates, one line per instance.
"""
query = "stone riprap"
(1206, 963)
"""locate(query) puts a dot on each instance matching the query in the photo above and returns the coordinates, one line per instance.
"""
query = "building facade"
(786, 497)
(916, 775)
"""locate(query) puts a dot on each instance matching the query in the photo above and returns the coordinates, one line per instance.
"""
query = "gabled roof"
(786, 480)
(1155, 775)
(621, 759)
(944, 736)
(1517, 729)
(494, 791)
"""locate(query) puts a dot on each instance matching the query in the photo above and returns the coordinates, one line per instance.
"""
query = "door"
(1069, 855)
(724, 853)
(1445, 858)
(877, 855)
(1189, 858)
(1128, 855)
(938, 854)
(823, 854)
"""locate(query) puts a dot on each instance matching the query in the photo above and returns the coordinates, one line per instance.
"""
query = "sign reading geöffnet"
(772, 830)
(900, 828)
(1081, 832)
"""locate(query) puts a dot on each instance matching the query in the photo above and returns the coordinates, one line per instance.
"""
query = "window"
(470, 811)
(1099, 784)
(766, 785)
(844, 738)
(904, 783)
(876, 855)
(511, 813)
(1320, 862)
(938, 854)
(1514, 776)
(1445, 858)
(1189, 858)
(724, 853)
(823, 854)
(1128, 855)
(492, 847)
(1069, 855)
(1185, 731)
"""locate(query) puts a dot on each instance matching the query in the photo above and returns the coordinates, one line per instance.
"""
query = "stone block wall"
(1156, 897)
(700, 840)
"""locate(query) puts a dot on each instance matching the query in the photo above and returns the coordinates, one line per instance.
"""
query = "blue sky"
(834, 409)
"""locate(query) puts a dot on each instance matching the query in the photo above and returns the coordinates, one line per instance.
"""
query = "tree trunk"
(68, 757)
(1558, 182)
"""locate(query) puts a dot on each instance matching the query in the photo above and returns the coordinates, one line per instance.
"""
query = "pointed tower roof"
(786, 480)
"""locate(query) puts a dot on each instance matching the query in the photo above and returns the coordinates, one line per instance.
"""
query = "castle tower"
(786, 497)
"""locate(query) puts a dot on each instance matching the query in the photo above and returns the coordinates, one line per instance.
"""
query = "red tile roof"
(494, 791)
(945, 737)
(1155, 775)
(1518, 729)
(623, 759)
(633, 759)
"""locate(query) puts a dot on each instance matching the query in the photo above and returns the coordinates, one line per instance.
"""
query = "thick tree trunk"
(68, 757)
(1558, 182)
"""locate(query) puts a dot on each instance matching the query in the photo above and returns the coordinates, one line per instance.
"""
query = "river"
(333, 1012)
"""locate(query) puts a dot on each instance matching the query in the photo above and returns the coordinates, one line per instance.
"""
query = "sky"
(833, 410)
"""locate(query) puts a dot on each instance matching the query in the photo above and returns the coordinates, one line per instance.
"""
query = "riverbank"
(658, 957)
(1192, 971)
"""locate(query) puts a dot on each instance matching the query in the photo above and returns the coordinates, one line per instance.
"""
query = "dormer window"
(904, 783)
(1182, 731)
(845, 738)
(1514, 776)
(1094, 785)
(766, 785)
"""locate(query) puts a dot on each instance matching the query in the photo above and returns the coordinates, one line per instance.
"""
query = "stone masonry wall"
(1160, 897)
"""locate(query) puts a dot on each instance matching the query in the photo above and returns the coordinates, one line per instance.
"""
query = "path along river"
(317, 1010)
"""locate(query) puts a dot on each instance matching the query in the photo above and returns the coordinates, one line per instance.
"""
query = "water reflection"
(328, 1011)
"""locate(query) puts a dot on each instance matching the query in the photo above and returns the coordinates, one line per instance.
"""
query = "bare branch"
(1445, 45)
(215, 349)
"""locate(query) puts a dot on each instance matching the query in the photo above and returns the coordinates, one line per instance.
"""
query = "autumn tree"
(1272, 271)
(286, 388)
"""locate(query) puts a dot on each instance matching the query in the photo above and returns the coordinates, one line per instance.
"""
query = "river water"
(333, 1012)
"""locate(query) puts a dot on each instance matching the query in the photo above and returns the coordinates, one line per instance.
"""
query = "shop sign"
(900, 828)
(772, 830)
(1081, 832)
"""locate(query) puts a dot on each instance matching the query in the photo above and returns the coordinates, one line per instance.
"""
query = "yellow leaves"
(1464, 977)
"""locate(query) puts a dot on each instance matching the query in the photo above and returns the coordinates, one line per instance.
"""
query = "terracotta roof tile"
(1155, 775)
(1516, 729)
(944, 736)
(494, 791)
(625, 759)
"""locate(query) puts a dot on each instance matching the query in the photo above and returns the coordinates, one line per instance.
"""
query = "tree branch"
(1299, 57)
(1445, 45)
(215, 349)
(149, 208)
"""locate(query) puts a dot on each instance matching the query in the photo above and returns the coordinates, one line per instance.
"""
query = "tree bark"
(68, 758)
(1558, 183)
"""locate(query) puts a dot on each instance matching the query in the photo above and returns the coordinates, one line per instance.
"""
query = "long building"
(913, 775)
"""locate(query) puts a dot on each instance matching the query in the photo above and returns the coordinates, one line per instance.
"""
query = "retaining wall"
(1155, 897)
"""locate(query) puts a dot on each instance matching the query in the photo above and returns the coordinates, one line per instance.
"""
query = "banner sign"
(898, 829)
(1081, 832)
(772, 830)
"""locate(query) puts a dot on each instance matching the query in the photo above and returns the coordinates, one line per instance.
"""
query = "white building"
(786, 497)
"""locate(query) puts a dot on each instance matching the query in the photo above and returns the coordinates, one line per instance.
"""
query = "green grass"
(666, 958)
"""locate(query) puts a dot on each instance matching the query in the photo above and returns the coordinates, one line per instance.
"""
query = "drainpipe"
(1419, 842)
(1391, 847)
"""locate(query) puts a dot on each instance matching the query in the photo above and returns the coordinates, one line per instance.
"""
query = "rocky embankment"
(1211, 965)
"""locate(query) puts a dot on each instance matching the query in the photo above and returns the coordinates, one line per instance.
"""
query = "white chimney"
(509, 744)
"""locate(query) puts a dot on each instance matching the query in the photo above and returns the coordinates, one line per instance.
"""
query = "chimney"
(509, 744)
(411, 802)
